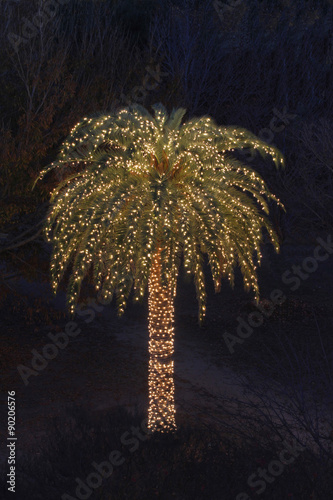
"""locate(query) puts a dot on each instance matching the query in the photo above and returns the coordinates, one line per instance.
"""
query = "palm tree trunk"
(161, 411)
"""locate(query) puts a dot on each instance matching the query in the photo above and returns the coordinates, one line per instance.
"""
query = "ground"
(107, 363)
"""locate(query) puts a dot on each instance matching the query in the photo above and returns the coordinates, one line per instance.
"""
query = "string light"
(161, 412)
(149, 190)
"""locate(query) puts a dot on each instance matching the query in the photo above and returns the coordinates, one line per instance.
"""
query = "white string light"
(148, 190)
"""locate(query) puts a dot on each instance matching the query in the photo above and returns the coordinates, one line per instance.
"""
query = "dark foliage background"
(236, 64)
(266, 65)
(196, 463)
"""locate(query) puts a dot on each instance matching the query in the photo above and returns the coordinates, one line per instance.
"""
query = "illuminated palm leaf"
(152, 190)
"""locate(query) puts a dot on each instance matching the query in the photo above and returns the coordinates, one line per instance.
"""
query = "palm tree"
(150, 191)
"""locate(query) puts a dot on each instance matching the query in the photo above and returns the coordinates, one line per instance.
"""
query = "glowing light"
(148, 191)
(161, 412)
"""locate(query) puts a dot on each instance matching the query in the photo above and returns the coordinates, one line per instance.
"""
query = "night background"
(253, 383)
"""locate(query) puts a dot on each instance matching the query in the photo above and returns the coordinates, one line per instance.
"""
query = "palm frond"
(152, 183)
